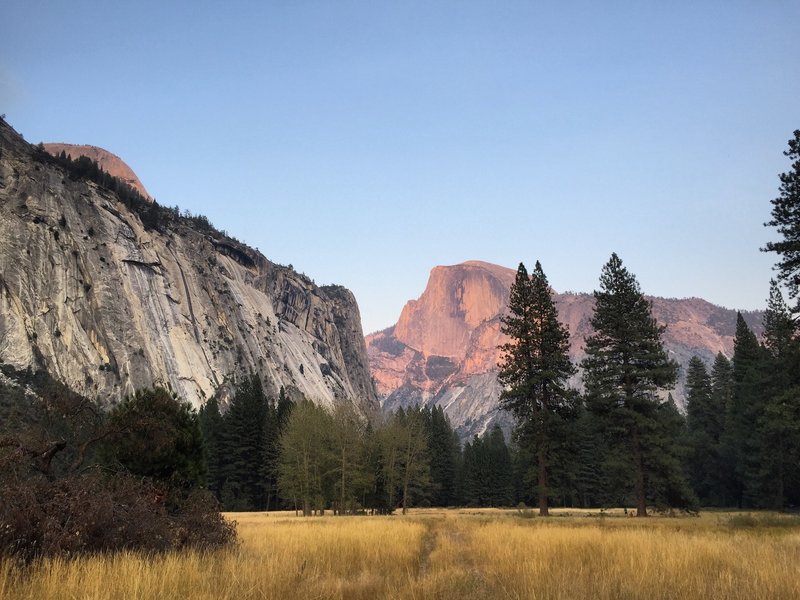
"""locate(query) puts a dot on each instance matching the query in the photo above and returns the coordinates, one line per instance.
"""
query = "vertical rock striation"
(109, 306)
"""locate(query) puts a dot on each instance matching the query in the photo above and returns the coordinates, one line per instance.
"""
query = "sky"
(367, 142)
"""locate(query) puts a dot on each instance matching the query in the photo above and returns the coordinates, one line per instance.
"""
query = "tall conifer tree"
(786, 218)
(535, 367)
(742, 410)
(777, 435)
(625, 369)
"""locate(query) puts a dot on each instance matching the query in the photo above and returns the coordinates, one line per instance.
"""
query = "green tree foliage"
(774, 475)
(306, 458)
(444, 455)
(55, 501)
(406, 442)
(625, 368)
(786, 218)
(534, 369)
(488, 471)
(276, 418)
(746, 403)
(153, 434)
(212, 428)
(243, 447)
(349, 458)
(705, 406)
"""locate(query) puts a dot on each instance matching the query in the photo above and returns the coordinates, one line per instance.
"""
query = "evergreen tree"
(489, 470)
(443, 457)
(243, 447)
(471, 475)
(212, 427)
(786, 218)
(704, 424)
(589, 449)
(721, 400)
(746, 403)
(277, 416)
(625, 368)
(499, 484)
(535, 367)
(776, 438)
(665, 460)
(154, 434)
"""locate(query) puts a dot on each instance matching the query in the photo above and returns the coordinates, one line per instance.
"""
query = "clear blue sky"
(366, 142)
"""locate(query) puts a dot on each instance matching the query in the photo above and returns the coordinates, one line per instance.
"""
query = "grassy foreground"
(450, 554)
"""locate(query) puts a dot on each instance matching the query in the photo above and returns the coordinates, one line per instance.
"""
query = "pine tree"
(212, 427)
(500, 483)
(443, 457)
(704, 428)
(154, 434)
(786, 218)
(625, 368)
(777, 433)
(746, 403)
(535, 367)
(244, 447)
(721, 399)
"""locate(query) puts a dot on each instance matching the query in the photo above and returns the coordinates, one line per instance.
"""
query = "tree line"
(739, 444)
(620, 440)
(153, 215)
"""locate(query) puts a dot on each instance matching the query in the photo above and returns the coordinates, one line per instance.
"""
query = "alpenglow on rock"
(108, 306)
(443, 349)
(109, 162)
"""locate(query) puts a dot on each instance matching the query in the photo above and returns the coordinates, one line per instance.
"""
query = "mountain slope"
(108, 305)
(443, 349)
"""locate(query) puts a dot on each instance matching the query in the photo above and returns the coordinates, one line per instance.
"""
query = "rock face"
(443, 349)
(108, 306)
(110, 163)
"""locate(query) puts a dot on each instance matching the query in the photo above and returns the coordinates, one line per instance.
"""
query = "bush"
(148, 497)
(95, 512)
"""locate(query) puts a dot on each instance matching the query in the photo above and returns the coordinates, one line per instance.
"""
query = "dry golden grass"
(450, 554)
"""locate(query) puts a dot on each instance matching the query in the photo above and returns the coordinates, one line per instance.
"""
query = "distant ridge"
(443, 349)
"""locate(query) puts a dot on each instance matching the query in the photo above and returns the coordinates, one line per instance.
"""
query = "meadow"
(450, 554)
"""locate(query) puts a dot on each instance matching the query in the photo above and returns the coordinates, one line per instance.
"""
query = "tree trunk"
(341, 502)
(543, 510)
(405, 495)
(641, 498)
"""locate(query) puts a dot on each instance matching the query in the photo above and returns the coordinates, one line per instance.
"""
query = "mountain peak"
(444, 348)
(108, 161)
(457, 299)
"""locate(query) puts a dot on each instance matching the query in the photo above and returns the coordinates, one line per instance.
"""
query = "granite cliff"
(108, 305)
(443, 349)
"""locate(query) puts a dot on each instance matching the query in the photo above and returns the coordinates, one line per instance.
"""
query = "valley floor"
(446, 554)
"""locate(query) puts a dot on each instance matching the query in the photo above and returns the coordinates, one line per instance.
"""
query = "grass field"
(451, 554)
